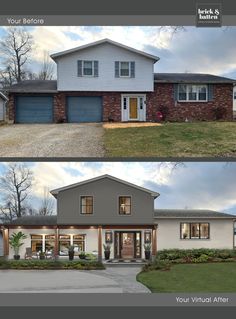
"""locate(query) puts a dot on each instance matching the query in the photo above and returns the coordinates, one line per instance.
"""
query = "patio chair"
(29, 254)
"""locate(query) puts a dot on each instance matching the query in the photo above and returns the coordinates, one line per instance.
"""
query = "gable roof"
(56, 191)
(93, 44)
(190, 213)
(3, 96)
(34, 86)
(39, 220)
(190, 78)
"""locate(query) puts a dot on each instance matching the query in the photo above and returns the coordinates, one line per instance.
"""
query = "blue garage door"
(84, 109)
(34, 109)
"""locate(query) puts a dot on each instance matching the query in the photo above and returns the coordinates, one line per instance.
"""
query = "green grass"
(211, 277)
(173, 140)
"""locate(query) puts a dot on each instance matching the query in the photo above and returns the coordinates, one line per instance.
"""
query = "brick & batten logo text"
(208, 15)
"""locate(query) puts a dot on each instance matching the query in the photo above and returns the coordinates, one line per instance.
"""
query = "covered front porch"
(124, 243)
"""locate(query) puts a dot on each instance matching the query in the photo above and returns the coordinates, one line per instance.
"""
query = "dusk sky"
(192, 185)
(204, 50)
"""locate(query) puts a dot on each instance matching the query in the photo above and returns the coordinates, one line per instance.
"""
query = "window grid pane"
(88, 68)
(194, 230)
(124, 69)
(125, 205)
(86, 205)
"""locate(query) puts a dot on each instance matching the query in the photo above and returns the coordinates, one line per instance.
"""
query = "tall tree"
(47, 68)
(15, 187)
(47, 204)
(15, 49)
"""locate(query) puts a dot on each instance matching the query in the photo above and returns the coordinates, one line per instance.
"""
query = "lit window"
(194, 231)
(86, 205)
(36, 243)
(125, 205)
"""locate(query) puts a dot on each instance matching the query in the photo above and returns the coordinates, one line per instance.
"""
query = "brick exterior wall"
(161, 99)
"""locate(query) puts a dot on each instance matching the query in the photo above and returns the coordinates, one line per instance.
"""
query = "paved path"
(111, 280)
(52, 140)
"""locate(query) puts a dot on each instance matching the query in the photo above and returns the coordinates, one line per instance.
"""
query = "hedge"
(50, 264)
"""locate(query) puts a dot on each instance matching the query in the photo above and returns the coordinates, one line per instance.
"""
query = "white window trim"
(124, 76)
(85, 75)
(197, 100)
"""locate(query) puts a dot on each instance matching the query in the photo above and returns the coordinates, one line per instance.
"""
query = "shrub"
(195, 255)
(157, 265)
(50, 264)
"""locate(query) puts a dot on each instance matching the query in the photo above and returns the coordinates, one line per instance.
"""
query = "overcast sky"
(192, 185)
(205, 50)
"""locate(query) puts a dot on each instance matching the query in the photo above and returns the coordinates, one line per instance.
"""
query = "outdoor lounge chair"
(29, 254)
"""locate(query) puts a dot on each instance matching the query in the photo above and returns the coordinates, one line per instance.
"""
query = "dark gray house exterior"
(108, 211)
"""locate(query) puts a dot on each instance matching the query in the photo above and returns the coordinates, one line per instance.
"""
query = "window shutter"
(210, 92)
(132, 67)
(95, 68)
(117, 69)
(79, 67)
(176, 92)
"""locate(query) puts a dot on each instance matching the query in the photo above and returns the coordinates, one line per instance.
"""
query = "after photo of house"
(117, 227)
(117, 91)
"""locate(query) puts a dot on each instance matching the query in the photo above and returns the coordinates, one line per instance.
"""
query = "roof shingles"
(190, 213)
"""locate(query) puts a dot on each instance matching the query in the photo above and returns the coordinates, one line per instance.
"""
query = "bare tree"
(47, 204)
(15, 186)
(15, 49)
(47, 69)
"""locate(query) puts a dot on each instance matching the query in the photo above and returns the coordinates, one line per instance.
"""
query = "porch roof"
(33, 221)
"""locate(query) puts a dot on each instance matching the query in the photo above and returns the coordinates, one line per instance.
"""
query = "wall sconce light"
(147, 237)
(108, 237)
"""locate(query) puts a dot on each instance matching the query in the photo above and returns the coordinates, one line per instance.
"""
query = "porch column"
(100, 243)
(56, 249)
(154, 241)
(5, 233)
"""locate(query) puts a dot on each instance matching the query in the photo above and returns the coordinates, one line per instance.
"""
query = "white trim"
(87, 75)
(140, 112)
(124, 76)
(82, 47)
(187, 92)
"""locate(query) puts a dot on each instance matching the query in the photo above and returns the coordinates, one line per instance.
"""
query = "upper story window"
(125, 69)
(87, 68)
(190, 92)
(125, 205)
(86, 205)
(194, 230)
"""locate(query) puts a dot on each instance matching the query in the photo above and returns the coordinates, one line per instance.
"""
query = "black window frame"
(81, 205)
(130, 206)
(190, 230)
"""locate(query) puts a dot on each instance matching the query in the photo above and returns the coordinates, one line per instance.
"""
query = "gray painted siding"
(106, 193)
(1, 244)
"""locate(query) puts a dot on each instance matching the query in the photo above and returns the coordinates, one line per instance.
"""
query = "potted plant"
(147, 250)
(82, 255)
(107, 251)
(42, 255)
(71, 252)
(15, 241)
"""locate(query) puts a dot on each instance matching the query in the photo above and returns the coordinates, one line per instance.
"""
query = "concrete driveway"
(52, 140)
(111, 280)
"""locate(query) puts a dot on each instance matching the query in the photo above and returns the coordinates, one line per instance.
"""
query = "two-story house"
(109, 81)
(107, 210)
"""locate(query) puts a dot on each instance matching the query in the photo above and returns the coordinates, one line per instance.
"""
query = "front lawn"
(210, 277)
(173, 140)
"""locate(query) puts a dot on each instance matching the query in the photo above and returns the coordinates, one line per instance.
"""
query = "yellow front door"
(133, 108)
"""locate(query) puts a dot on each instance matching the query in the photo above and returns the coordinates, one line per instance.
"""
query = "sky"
(198, 185)
(203, 50)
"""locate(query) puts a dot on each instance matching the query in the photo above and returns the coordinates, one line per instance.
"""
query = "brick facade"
(161, 99)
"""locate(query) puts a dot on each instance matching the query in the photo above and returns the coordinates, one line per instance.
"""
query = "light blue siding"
(84, 109)
(34, 109)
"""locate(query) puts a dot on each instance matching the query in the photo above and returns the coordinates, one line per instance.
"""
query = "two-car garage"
(40, 109)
